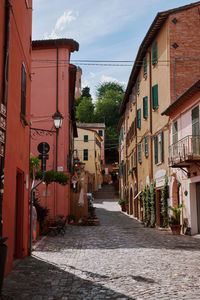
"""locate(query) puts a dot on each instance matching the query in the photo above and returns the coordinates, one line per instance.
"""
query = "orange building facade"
(15, 78)
(53, 89)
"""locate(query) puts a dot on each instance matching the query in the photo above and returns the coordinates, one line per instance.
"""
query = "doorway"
(19, 215)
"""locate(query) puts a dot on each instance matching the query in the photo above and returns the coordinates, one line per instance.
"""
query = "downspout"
(175, 97)
(150, 108)
(57, 58)
(4, 101)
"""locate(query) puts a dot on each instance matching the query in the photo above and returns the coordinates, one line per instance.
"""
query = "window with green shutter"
(145, 67)
(138, 85)
(154, 53)
(100, 133)
(85, 138)
(146, 150)
(85, 154)
(161, 148)
(145, 107)
(156, 149)
(155, 96)
(139, 154)
(139, 118)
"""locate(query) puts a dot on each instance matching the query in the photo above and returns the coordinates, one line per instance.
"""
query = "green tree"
(86, 92)
(109, 86)
(109, 98)
(85, 111)
(164, 207)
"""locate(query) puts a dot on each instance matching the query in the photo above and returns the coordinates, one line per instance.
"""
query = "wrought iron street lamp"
(57, 118)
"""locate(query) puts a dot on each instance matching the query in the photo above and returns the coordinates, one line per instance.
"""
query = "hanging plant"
(52, 176)
(144, 192)
(148, 206)
(164, 207)
(153, 203)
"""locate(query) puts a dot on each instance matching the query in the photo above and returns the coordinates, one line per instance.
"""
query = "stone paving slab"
(120, 259)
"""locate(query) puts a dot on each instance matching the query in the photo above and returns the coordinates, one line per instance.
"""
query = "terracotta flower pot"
(176, 229)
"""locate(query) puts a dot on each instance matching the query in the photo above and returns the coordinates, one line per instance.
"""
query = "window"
(146, 150)
(175, 138)
(174, 132)
(139, 118)
(23, 91)
(145, 67)
(158, 148)
(139, 154)
(195, 130)
(100, 132)
(154, 53)
(85, 154)
(138, 85)
(155, 96)
(145, 107)
(85, 138)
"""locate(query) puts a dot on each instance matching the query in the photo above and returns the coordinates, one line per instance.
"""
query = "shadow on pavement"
(117, 231)
(37, 279)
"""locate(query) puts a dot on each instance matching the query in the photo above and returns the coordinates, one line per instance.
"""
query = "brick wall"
(186, 57)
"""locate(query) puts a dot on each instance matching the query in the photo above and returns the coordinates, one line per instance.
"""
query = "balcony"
(185, 152)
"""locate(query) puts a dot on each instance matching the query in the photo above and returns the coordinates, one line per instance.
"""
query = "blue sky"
(105, 30)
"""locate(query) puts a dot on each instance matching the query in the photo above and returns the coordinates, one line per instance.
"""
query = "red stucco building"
(15, 84)
(53, 88)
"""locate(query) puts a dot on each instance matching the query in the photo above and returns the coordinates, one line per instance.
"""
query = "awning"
(137, 194)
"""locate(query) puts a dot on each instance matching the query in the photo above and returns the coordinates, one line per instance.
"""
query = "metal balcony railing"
(185, 150)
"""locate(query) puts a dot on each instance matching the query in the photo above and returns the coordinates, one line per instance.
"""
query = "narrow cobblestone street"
(120, 259)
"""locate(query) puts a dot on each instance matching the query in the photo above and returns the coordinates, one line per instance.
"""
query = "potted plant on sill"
(174, 220)
(122, 203)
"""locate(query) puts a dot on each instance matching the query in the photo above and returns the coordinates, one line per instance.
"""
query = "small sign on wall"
(60, 168)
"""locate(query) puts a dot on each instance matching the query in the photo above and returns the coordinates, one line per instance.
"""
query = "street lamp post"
(58, 119)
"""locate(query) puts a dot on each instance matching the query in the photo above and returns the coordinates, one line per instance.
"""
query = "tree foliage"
(85, 111)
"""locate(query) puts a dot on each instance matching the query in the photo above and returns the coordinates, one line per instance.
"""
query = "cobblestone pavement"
(120, 259)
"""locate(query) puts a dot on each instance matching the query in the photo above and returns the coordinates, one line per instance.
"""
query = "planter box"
(176, 229)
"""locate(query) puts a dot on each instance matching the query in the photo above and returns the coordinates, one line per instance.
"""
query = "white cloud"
(66, 18)
(92, 75)
(105, 78)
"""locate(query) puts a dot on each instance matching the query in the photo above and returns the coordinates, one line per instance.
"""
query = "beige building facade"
(155, 82)
(88, 148)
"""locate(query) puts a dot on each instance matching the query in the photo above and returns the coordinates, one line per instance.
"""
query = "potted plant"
(174, 220)
(122, 203)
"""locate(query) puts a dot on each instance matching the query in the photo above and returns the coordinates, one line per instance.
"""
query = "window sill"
(159, 163)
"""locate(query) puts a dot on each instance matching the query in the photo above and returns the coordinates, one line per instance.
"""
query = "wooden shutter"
(156, 149)
(154, 53)
(195, 130)
(85, 138)
(139, 118)
(139, 153)
(155, 96)
(138, 85)
(85, 154)
(23, 90)
(161, 147)
(145, 66)
(145, 107)
(146, 146)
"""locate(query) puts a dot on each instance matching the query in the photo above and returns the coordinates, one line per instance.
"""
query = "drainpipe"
(57, 58)
(4, 100)
(150, 108)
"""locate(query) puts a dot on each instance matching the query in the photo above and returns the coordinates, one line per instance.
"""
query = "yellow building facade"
(88, 148)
